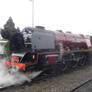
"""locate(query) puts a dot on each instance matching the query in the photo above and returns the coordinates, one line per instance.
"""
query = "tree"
(7, 48)
(9, 29)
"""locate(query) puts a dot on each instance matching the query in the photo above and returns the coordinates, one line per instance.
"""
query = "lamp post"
(32, 12)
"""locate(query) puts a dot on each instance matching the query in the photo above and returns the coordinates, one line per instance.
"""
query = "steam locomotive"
(39, 49)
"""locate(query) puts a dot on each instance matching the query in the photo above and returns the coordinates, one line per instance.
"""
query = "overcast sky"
(67, 15)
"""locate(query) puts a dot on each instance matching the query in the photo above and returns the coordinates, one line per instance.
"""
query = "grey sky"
(67, 15)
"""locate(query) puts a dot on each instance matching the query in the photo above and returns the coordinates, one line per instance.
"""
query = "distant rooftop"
(2, 41)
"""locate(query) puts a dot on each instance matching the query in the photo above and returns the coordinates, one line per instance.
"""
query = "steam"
(7, 79)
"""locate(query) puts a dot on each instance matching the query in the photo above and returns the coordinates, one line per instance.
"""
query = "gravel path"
(62, 83)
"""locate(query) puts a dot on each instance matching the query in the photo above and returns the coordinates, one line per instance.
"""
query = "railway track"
(85, 87)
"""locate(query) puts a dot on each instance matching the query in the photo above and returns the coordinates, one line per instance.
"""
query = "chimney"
(40, 27)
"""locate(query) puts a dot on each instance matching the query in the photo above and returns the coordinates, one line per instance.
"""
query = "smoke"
(7, 79)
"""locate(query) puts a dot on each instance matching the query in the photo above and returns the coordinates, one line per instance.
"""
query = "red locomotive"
(39, 49)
